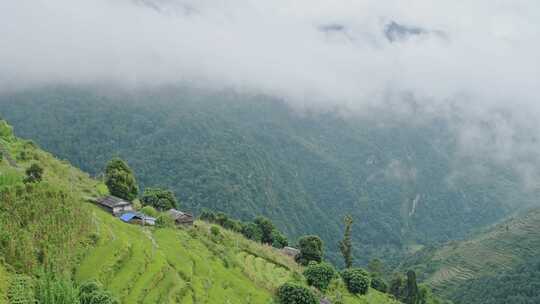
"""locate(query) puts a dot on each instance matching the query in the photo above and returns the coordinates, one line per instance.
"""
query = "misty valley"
(255, 152)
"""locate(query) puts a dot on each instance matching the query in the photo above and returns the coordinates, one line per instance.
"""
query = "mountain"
(404, 180)
(495, 266)
(48, 229)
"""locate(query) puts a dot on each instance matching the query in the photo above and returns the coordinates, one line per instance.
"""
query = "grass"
(4, 284)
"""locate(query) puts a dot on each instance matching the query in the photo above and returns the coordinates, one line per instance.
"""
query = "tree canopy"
(120, 179)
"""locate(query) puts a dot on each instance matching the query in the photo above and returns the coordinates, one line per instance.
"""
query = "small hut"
(290, 251)
(181, 218)
(138, 218)
(114, 205)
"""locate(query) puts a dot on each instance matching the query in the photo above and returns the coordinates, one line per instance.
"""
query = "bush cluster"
(319, 275)
(357, 280)
(290, 293)
(260, 230)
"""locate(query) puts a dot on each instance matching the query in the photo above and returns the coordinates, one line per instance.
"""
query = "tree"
(379, 284)
(158, 198)
(345, 245)
(356, 279)
(319, 275)
(290, 293)
(267, 227)
(397, 286)
(411, 293)
(252, 232)
(311, 249)
(34, 174)
(208, 215)
(120, 180)
(279, 240)
(376, 267)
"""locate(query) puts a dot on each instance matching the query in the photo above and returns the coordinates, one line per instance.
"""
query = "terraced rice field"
(141, 265)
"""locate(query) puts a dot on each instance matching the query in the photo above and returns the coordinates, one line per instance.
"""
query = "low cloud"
(476, 58)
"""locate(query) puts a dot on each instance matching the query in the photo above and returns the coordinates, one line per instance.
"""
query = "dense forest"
(405, 184)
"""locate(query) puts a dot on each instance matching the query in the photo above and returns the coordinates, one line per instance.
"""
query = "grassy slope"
(499, 249)
(148, 265)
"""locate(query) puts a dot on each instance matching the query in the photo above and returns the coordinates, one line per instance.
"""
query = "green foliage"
(397, 286)
(345, 245)
(207, 215)
(40, 224)
(290, 293)
(150, 211)
(158, 198)
(266, 227)
(311, 249)
(214, 230)
(164, 221)
(120, 179)
(92, 292)
(252, 232)
(6, 131)
(319, 275)
(411, 292)
(21, 290)
(356, 280)
(34, 174)
(376, 267)
(279, 240)
(51, 289)
(379, 284)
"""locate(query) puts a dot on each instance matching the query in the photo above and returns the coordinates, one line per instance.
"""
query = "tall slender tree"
(345, 245)
(412, 288)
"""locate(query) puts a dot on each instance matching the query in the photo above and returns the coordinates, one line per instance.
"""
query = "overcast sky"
(311, 51)
(480, 56)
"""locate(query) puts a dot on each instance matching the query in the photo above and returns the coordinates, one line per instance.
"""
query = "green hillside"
(49, 227)
(499, 265)
(405, 183)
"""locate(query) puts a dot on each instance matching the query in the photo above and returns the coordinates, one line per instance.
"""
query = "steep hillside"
(404, 183)
(48, 226)
(500, 264)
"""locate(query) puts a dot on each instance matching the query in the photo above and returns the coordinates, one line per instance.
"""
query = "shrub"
(379, 284)
(356, 280)
(6, 131)
(319, 275)
(214, 230)
(311, 249)
(53, 290)
(34, 174)
(150, 211)
(93, 293)
(164, 221)
(207, 215)
(290, 293)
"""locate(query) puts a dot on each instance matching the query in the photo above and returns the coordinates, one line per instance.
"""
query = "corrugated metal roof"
(126, 217)
(112, 201)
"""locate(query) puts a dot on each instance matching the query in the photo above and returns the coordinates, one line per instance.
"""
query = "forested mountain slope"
(246, 155)
(49, 231)
(499, 265)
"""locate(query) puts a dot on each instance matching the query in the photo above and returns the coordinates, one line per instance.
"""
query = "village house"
(138, 218)
(181, 218)
(290, 251)
(114, 205)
